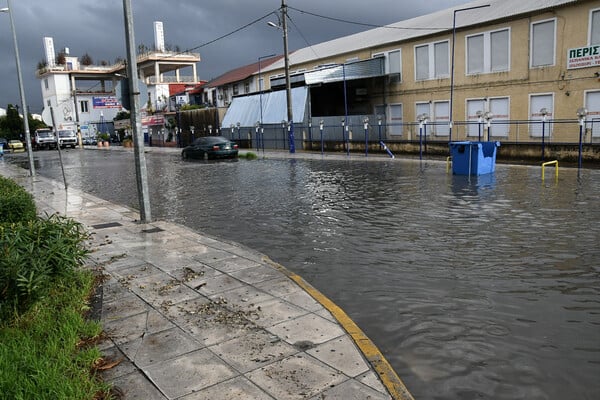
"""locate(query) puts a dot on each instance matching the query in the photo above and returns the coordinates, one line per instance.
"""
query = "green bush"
(16, 205)
(48, 352)
(33, 255)
(46, 347)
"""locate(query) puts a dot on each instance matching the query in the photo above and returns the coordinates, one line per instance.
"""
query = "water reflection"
(481, 287)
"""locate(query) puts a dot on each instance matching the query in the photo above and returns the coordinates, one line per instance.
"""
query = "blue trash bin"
(473, 158)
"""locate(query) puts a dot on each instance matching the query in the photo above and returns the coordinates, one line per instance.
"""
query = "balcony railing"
(170, 79)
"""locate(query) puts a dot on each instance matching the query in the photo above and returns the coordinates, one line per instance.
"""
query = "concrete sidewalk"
(189, 316)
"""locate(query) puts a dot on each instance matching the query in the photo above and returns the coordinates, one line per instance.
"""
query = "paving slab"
(296, 377)
(190, 316)
(189, 373)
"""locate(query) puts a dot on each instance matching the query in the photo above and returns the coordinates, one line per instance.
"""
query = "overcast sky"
(97, 28)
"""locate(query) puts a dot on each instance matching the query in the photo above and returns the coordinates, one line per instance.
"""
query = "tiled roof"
(241, 73)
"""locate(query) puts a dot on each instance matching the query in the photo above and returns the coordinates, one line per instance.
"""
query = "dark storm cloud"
(97, 28)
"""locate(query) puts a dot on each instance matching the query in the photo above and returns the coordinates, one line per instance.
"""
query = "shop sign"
(583, 57)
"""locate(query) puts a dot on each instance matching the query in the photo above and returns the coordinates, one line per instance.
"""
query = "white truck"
(67, 138)
(43, 138)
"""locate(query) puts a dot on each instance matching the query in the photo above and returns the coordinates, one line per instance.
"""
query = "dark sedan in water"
(210, 147)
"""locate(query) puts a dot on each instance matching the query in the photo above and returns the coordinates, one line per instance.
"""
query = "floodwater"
(473, 288)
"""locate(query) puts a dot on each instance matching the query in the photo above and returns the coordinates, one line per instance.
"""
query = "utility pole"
(288, 86)
(9, 10)
(136, 123)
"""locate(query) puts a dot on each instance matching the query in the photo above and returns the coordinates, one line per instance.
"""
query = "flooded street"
(480, 288)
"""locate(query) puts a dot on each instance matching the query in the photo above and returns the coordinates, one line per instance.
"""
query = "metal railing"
(352, 132)
(170, 79)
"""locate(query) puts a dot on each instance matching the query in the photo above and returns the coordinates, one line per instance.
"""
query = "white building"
(87, 97)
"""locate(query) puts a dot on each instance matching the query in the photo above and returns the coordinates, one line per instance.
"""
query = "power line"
(241, 28)
(301, 35)
(232, 32)
(363, 23)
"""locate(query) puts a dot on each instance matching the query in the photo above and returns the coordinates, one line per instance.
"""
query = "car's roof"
(212, 139)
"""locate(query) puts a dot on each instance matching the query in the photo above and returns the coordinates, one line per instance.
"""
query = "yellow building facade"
(524, 71)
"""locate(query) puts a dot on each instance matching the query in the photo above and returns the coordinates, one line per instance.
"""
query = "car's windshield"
(210, 140)
(66, 133)
(44, 134)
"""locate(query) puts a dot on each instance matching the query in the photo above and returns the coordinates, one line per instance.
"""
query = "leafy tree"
(35, 123)
(142, 48)
(190, 107)
(61, 58)
(86, 59)
(122, 115)
(12, 124)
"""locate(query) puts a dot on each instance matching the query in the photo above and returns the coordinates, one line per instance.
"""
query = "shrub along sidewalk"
(47, 346)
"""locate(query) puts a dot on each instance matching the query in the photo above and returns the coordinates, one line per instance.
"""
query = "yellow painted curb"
(388, 376)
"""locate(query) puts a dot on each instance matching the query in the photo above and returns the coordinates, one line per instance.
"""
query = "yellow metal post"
(555, 163)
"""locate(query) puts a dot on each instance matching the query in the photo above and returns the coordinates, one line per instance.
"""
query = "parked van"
(43, 138)
(67, 138)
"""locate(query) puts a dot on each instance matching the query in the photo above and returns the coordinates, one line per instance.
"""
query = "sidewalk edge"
(386, 373)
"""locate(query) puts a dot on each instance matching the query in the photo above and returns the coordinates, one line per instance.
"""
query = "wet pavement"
(189, 316)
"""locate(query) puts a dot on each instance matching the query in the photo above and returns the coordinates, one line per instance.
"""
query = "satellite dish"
(47, 116)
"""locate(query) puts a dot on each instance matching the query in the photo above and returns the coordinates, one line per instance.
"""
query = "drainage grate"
(153, 230)
(106, 225)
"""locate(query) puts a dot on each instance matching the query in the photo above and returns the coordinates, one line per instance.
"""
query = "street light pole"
(452, 67)
(21, 91)
(544, 112)
(488, 116)
(288, 85)
(581, 114)
(136, 122)
(479, 114)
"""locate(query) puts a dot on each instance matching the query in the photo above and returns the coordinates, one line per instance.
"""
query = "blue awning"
(246, 109)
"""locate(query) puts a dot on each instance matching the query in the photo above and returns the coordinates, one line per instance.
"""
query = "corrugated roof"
(422, 26)
(246, 109)
(241, 73)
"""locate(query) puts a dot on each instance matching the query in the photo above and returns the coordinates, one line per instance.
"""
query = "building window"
(236, 89)
(536, 103)
(46, 84)
(423, 108)
(595, 27)
(543, 41)
(592, 120)
(500, 107)
(246, 87)
(392, 63)
(432, 61)
(441, 118)
(488, 52)
(396, 119)
(84, 106)
(475, 127)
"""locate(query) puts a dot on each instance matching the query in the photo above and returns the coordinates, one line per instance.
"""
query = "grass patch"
(249, 156)
(47, 346)
(43, 352)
